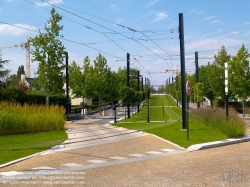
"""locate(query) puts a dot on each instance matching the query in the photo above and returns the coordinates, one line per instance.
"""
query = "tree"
(239, 75)
(20, 71)
(12, 81)
(216, 75)
(98, 83)
(127, 95)
(114, 84)
(4, 73)
(198, 92)
(49, 52)
(204, 77)
(77, 80)
(122, 73)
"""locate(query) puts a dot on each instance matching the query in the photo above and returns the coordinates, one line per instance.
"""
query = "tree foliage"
(239, 75)
(49, 52)
(216, 73)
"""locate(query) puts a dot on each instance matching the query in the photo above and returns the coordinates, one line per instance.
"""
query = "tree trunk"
(100, 105)
(83, 106)
(243, 105)
(212, 103)
(47, 100)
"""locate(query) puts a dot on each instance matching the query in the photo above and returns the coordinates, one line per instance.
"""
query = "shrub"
(18, 119)
(216, 119)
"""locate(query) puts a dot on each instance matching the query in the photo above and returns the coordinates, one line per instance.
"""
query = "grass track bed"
(169, 126)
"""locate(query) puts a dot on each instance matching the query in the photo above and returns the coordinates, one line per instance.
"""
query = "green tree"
(98, 83)
(216, 76)
(49, 52)
(12, 81)
(127, 95)
(122, 73)
(77, 77)
(20, 71)
(239, 75)
(4, 73)
(204, 77)
(114, 84)
(198, 92)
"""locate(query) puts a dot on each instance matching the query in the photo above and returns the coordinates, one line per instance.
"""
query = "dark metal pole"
(169, 86)
(166, 87)
(67, 85)
(142, 84)
(183, 72)
(138, 89)
(128, 84)
(226, 106)
(177, 90)
(172, 82)
(148, 106)
(197, 72)
(114, 113)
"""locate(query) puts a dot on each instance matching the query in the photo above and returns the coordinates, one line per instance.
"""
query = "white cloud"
(15, 31)
(215, 21)
(219, 31)
(200, 12)
(152, 3)
(9, 0)
(212, 44)
(247, 23)
(209, 17)
(1, 8)
(196, 11)
(160, 16)
(50, 2)
(235, 32)
(113, 6)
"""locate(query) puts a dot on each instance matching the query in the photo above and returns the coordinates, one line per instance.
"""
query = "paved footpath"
(100, 155)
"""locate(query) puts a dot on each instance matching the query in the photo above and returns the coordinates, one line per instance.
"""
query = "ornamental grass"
(215, 118)
(19, 119)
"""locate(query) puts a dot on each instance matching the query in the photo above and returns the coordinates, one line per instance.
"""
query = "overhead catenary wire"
(93, 30)
(100, 26)
(65, 39)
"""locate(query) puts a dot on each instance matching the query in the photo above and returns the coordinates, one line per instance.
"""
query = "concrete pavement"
(100, 155)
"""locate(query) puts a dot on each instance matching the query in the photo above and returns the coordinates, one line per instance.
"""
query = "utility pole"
(128, 84)
(197, 72)
(183, 72)
(166, 87)
(67, 85)
(142, 84)
(177, 90)
(138, 89)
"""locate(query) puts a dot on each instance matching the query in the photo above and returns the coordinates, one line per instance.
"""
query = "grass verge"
(13, 147)
(169, 126)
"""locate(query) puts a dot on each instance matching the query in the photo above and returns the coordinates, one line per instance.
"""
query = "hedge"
(15, 95)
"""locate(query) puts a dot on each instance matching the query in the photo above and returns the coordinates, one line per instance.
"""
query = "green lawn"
(13, 147)
(169, 126)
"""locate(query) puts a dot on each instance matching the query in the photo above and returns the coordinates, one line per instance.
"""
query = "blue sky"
(147, 29)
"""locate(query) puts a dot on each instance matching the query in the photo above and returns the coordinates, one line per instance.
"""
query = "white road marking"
(154, 152)
(168, 150)
(72, 164)
(11, 173)
(118, 158)
(96, 161)
(137, 155)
